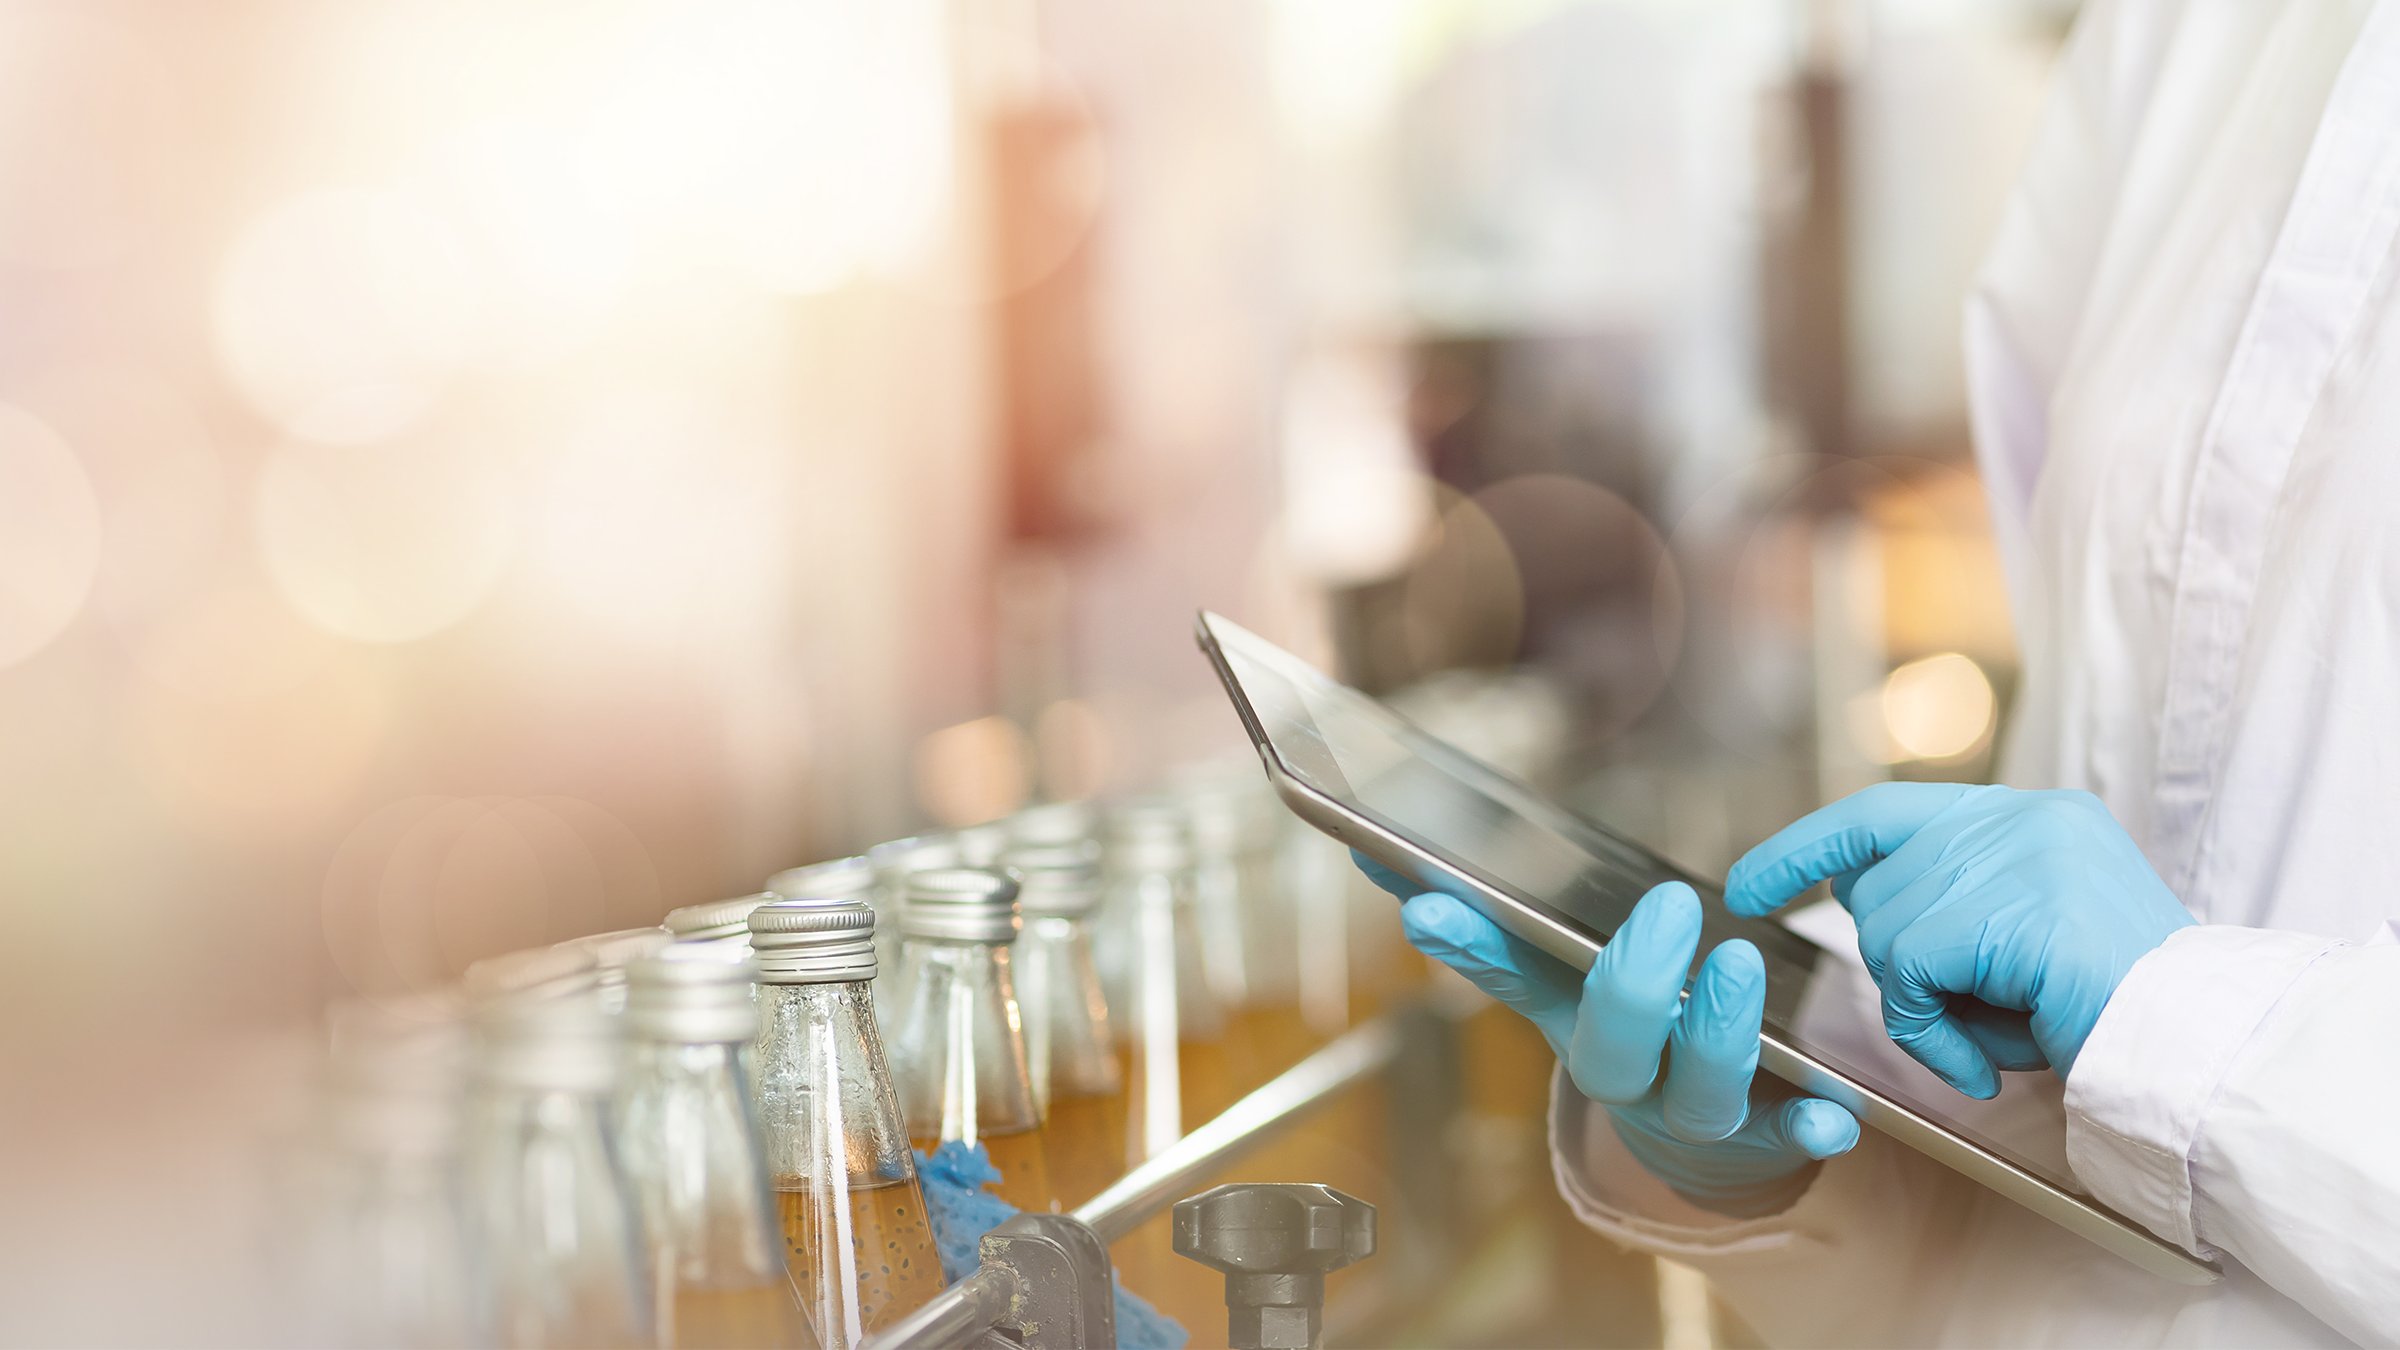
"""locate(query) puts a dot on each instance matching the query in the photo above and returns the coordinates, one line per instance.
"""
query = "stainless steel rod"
(959, 1315)
(1358, 1053)
(962, 1312)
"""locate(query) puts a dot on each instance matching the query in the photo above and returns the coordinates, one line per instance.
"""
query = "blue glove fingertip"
(1665, 921)
(1823, 1129)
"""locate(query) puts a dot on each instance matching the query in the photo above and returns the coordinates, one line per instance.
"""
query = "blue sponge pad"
(962, 1211)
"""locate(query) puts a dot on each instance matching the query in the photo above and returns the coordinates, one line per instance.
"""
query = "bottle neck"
(827, 1111)
(959, 1045)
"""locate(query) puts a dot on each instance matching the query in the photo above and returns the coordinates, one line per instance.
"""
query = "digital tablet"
(1361, 773)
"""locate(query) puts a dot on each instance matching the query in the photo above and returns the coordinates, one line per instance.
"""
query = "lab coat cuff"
(2149, 1073)
(1614, 1195)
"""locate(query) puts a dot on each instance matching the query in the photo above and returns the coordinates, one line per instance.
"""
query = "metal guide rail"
(997, 1291)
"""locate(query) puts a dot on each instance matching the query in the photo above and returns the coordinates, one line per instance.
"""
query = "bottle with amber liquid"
(1181, 1063)
(958, 1043)
(856, 1239)
(692, 1151)
(1070, 1046)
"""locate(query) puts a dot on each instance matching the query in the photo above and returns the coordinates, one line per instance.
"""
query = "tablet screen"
(1486, 826)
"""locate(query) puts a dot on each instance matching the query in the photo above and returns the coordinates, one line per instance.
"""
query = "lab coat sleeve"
(2031, 294)
(1846, 1264)
(2241, 1095)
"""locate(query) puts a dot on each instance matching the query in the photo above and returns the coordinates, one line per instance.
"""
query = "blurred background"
(473, 474)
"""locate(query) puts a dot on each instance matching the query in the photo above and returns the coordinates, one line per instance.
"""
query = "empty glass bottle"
(958, 1044)
(692, 1152)
(553, 1223)
(1070, 1046)
(856, 1238)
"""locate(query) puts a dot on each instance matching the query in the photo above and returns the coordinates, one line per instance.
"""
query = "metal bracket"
(1063, 1297)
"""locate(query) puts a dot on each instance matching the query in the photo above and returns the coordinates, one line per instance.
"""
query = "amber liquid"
(1022, 1159)
(740, 1319)
(896, 1269)
(1086, 1137)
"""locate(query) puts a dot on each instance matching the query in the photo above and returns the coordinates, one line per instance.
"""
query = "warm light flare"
(1936, 708)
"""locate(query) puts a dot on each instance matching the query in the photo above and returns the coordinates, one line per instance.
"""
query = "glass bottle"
(1070, 1047)
(692, 1153)
(1250, 941)
(1173, 1028)
(553, 1224)
(856, 1238)
(894, 864)
(394, 1253)
(958, 1043)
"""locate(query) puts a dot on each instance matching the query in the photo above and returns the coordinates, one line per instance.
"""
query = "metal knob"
(1275, 1242)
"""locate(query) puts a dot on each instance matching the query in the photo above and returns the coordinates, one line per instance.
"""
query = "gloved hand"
(1709, 1131)
(1971, 901)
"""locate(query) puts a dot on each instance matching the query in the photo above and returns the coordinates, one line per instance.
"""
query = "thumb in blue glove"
(1997, 923)
(1678, 1077)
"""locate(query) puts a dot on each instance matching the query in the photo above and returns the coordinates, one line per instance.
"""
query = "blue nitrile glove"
(1996, 922)
(1705, 1127)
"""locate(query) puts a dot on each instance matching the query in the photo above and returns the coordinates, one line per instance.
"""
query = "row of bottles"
(702, 1134)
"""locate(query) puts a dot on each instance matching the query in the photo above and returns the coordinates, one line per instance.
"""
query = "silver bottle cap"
(1151, 834)
(1054, 823)
(920, 853)
(692, 994)
(1061, 879)
(824, 880)
(539, 1022)
(980, 845)
(535, 971)
(813, 941)
(718, 918)
(961, 904)
(617, 950)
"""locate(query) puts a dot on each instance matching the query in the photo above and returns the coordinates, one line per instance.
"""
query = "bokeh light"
(1355, 504)
(973, 771)
(1463, 604)
(49, 535)
(344, 312)
(384, 544)
(807, 142)
(1938, 707)
(1073, 749)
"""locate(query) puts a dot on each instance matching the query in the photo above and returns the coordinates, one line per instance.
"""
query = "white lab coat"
(2184, 355)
